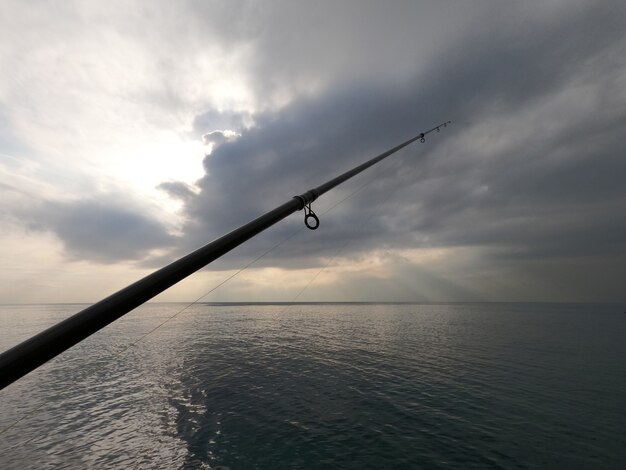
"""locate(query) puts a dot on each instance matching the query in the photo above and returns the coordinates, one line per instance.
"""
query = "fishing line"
(37, 350)
(117, 354)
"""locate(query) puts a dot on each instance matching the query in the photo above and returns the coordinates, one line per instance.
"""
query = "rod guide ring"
(309, 214)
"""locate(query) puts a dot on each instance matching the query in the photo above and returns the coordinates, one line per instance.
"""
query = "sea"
(320, 386)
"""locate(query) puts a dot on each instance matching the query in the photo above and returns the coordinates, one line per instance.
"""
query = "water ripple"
(507, 386)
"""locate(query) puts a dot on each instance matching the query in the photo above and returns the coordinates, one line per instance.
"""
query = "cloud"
(106, 230)
(526, 183)
(529, 171)
(212, 140)
(177, 190)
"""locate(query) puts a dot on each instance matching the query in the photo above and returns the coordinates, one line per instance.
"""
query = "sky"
(133, 132)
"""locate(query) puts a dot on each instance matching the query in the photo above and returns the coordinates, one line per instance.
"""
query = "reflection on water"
(318, 386)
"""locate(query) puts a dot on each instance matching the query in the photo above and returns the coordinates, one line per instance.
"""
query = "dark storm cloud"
(103, 230)
(531, 169)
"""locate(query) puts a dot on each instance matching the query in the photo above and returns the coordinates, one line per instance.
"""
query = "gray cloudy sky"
(134, 132)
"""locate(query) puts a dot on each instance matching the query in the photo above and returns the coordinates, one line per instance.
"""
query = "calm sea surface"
(325, 386)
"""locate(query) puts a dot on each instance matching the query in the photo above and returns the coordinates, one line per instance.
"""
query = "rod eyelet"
(315, 224)
(309, 214)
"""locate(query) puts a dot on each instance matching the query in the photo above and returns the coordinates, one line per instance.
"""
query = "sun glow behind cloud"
(95, 111)
(97, 108)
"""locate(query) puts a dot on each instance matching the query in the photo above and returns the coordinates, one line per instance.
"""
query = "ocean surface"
(350, 386)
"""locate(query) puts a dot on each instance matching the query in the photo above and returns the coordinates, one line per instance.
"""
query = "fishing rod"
(30, 354)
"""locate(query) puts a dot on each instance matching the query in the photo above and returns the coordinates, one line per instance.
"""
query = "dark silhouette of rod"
(30, 354)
